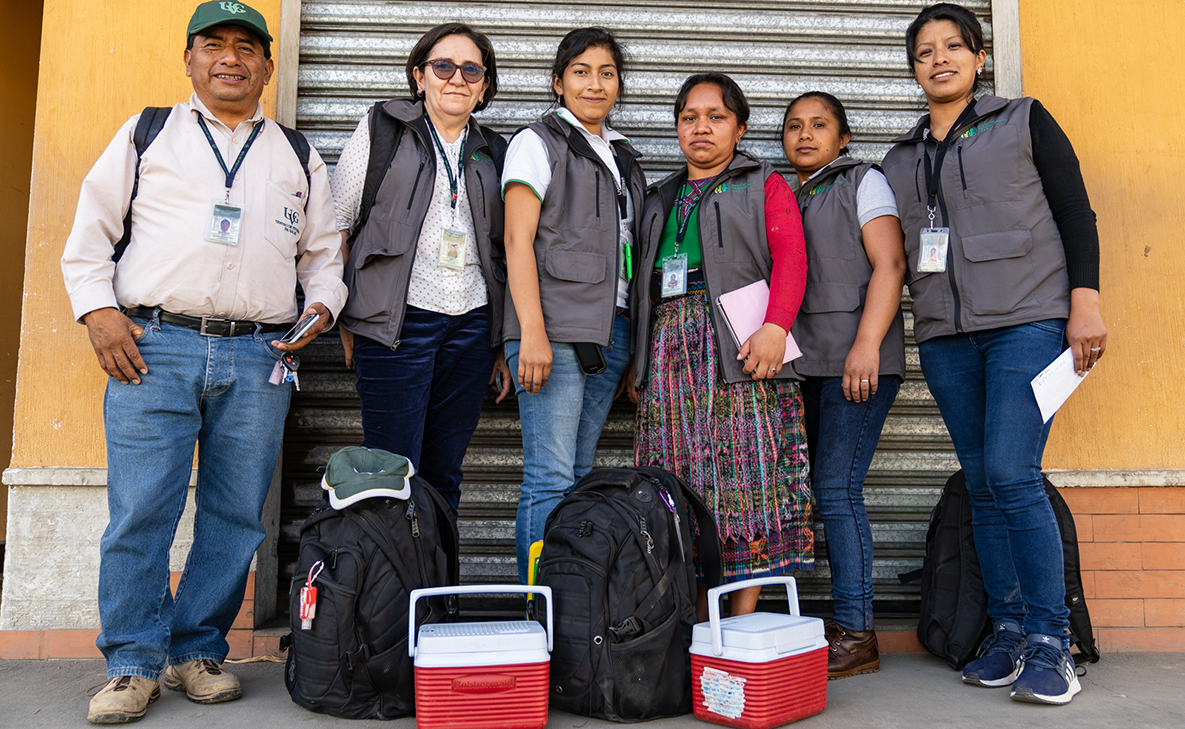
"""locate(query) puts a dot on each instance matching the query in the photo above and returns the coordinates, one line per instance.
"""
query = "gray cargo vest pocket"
(999, 276)
(825, 297)
(583, 267)
(383, 237)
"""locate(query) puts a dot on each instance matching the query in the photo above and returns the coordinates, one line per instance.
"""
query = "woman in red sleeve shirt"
(726, 419)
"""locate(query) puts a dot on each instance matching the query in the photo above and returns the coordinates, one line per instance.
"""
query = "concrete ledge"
(64, 476)
(1113, 478)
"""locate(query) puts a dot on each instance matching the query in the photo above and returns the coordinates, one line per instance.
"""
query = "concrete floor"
(1124, 691)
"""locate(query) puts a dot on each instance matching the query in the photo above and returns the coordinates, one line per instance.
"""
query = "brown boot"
(203, 681)
(850, 652)
(123, 699)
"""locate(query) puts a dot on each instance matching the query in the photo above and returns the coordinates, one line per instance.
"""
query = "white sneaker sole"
(1027, 695)
(1008, 680)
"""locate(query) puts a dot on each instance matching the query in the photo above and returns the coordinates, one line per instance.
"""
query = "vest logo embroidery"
(821, 188)
(733, 187)
(233, 8)
(981, 129)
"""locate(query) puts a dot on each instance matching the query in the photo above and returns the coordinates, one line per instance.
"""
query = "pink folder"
(744, 313)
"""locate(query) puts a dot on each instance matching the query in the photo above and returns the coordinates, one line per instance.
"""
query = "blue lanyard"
(230, 174)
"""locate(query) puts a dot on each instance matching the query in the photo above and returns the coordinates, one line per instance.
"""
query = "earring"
(979, 71)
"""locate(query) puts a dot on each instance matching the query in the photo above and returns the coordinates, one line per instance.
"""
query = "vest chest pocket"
(984, 165)
(823, 297)
(285, 220)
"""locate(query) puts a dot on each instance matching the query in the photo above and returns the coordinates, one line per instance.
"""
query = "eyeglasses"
(444, 70)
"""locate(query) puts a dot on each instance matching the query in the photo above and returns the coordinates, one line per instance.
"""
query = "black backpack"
(151, 121)
(353, 662)
(954, 620)
(617, 554)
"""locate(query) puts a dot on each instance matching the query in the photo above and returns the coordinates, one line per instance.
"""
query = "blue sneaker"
(1047, 674)
(998, 662)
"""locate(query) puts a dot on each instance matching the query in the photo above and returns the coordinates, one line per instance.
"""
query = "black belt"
(207, 326)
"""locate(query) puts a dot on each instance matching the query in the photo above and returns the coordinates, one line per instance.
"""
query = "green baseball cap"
(227, 12)
(355, 473)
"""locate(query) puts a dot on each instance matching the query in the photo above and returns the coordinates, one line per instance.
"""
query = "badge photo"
(225, 220)
(932, 256)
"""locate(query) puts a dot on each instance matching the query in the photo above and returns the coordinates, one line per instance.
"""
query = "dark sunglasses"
(444, 70)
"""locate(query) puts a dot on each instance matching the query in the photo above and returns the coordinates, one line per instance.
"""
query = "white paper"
(1055, 384)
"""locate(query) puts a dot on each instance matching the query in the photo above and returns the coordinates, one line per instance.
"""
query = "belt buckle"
(207, 320)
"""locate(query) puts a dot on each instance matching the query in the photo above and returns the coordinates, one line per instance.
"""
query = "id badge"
(452, 249)
(225, 220)
(674, 275)
(932, 257)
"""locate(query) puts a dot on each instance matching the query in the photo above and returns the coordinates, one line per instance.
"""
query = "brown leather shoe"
(123, 699)
(203, 681)
(850, 652)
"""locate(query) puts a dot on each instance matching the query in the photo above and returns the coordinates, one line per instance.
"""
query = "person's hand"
(316, 329)
(500, 367)
(534, 361)
(1085, 331)
(347, 346)
(626, 384)
(860, 372)
(763, 352)
(113, 336)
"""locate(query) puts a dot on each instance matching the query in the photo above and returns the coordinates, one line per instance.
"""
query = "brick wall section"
(1132, 544)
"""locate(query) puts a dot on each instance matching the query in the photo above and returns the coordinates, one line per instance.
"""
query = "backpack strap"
(151, 121)
(300, 145)
(385, 135)
(448, 532)
(708, 541)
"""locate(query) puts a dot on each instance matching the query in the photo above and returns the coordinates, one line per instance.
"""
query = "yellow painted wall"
(1113, 75)
(101, 62)
(20, 36)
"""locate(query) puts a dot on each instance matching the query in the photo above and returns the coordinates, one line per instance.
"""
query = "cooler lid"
(781, 633)
(481, 644)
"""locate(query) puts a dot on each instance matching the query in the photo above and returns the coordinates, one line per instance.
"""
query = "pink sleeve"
(787, 247)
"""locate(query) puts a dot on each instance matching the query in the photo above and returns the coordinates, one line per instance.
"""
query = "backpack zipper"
(411, 516)
(642, 530)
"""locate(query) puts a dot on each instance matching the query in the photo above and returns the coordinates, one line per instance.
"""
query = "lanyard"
(454, 183)
(681, 231)
(934, 173)
(230, 174)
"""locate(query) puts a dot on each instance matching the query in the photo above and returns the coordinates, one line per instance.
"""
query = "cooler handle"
(714, 603)
(469, 590)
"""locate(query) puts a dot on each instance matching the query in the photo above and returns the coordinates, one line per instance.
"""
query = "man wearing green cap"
(225, 221)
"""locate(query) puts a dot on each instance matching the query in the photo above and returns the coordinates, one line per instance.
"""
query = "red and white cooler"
(760, 670)
(488, 675)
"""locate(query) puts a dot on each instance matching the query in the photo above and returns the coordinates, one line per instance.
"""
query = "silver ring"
(1096, 349)
(864, 380)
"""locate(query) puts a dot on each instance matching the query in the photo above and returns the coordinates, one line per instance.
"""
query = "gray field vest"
(837, 276)
(735, 251)
(1006, 265)
(576, 243)
(378, 272)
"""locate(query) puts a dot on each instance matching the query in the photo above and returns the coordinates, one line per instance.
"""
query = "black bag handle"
(708, 541)
(449, 533)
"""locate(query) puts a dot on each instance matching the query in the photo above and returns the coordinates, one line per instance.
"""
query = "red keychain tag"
(308, 597)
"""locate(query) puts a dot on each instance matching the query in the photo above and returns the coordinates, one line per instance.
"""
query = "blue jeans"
(842, 437)
(215, 392)
(561, 426)
(981, 382)
(423, 399)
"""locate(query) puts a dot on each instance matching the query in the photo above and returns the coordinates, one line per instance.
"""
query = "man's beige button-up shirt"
(288, 231)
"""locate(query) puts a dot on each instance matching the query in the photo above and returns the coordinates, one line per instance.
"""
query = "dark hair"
(419, 57)
(267, 46)
(580, 40)
(833, 106)
(969, 28)
(734, 98)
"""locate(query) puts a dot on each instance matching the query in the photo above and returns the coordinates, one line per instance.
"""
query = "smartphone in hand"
(301, 328)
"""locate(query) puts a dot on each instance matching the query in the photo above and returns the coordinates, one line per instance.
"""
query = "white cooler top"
(503, 643)
(761, 637)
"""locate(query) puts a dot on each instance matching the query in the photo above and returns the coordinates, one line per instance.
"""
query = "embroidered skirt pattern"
(741, 447)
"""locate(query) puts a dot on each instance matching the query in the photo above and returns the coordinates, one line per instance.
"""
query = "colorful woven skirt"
(741, 447)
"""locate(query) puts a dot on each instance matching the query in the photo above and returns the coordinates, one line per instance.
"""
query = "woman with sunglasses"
(852, 337)
(571, 184)
(1003, 266)
(725, 416)
(418, 205)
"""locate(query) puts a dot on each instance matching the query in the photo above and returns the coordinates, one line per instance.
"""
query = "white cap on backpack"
(355, 473)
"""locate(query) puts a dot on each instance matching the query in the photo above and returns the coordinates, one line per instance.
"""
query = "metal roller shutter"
(352, 54)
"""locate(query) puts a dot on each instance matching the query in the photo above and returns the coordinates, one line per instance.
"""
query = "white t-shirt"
(528, 162)
(874, 197)
(433, 287)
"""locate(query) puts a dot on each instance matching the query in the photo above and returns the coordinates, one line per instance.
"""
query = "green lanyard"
(454, 182)
(230, 174)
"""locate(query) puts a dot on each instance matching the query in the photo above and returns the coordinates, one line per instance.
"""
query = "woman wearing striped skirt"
(728, 419)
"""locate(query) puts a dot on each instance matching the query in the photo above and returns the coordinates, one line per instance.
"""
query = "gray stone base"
(56, 517)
